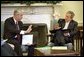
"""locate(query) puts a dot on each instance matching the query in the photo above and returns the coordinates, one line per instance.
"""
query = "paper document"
(59, 48)
(27, 39)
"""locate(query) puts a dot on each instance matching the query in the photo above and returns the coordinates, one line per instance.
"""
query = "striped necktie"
(18, 35)
(17, 26)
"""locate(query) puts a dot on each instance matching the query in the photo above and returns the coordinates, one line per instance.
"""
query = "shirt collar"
(14, 20)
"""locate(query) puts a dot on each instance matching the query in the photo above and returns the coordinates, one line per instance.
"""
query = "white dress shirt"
(66, 27)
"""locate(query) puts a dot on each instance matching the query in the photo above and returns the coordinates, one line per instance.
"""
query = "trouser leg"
(31, 50)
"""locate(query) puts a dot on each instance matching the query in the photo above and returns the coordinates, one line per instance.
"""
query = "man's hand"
(57, 27)
(66, 34)
(12, 45)
(29, 29)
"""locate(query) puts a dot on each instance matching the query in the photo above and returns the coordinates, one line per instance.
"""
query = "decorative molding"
(30, 2)
(35, 4)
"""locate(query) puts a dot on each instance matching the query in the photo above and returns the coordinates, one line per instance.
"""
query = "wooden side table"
(64, 53)
(50, 52)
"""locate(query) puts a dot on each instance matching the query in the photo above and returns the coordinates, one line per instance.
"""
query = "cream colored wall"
(75, 6)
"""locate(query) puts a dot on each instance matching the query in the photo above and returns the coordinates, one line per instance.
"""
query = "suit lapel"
(70, 25)
(13, 22)
(63, 24)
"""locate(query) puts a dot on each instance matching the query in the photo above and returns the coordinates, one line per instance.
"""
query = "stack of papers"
(59, 48)
(27, 39)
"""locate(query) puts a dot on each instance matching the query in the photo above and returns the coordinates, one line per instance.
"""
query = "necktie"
(17, 26)
(18, 35)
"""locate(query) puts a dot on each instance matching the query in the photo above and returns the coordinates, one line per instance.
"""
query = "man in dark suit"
(6, 49)
(13, 30)
(67, 31)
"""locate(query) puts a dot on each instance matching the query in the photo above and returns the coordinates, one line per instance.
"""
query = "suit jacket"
(72, 26)
(10, 30)
(6, 50)
(59, 38)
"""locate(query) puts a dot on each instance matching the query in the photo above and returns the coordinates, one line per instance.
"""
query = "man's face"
(19, 16)
(68, 17)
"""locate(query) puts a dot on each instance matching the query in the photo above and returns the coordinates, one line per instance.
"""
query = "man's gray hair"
(17, 11)
(72, 13)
